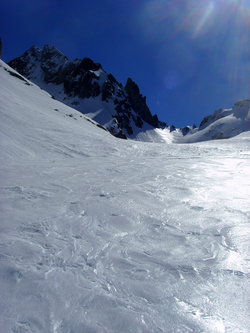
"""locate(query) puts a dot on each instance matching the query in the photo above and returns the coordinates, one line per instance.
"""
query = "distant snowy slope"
(222, 124)
(102, 235)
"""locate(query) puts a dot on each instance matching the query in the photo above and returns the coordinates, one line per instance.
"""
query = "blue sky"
(188, 57)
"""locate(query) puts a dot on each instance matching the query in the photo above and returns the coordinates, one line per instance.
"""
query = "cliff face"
(79, 80)
(139, 103)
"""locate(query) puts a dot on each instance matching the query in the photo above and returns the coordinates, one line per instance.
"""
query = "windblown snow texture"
(107, 235)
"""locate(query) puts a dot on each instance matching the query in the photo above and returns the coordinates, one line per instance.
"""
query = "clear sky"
(188, 57)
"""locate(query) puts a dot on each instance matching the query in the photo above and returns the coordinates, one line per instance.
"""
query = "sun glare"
(203, 17)
(217, 28)
(192, 17)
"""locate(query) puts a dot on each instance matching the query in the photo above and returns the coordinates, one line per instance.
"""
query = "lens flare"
(204, 18)
(160, 18)
(218, 28)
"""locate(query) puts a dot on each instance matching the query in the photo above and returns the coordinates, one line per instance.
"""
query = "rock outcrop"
(139, 103)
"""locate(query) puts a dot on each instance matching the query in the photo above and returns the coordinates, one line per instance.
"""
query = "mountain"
(85, 86)
(222, 124)
(107, 235)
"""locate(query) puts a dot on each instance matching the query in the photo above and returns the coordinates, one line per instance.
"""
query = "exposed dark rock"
(87, 65)
(27, 61)
(52, 61)
(209, 119)
(120, 135)
(138, 122)
(108, 91)
(138, 103)
(17, 76)
(185, 130)
(172, 128)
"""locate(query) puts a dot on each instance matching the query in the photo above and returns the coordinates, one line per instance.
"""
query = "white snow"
(100, 234)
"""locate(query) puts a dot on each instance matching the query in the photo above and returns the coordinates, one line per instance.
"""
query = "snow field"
(107, 235)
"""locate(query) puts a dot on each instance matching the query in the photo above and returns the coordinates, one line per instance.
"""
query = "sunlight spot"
(204, 18)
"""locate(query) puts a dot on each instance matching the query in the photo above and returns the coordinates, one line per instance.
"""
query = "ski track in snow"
(105, 235)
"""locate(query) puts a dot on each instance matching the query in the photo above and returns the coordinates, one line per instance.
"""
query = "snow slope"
(106, 235)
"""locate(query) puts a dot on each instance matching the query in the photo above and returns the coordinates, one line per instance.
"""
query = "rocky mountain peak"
(33, 52)
(79, 80)
(88, 65)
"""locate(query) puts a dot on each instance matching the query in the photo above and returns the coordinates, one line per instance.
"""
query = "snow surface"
(100, 234)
